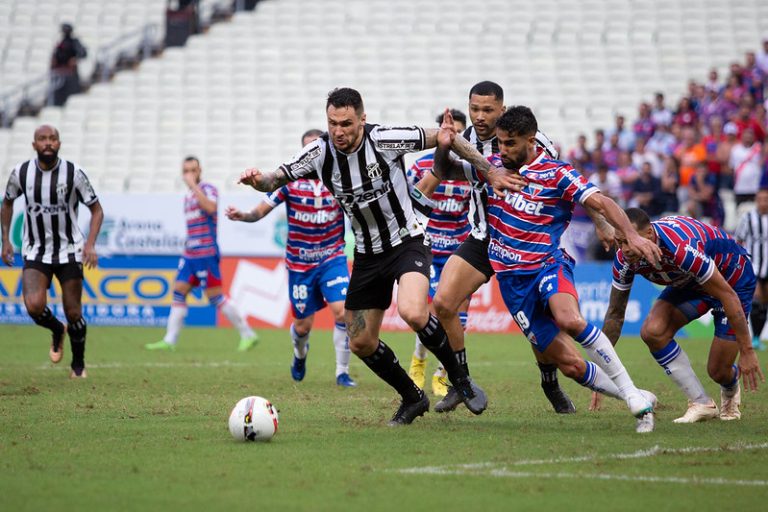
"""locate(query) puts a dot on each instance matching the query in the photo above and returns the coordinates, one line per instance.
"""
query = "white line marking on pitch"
(501, 470)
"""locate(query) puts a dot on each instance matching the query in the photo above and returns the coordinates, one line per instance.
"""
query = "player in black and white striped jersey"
(53, 244)
(752, 233)
(362, 166)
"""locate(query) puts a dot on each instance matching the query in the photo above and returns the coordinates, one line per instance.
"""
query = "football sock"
(384, 363)
(600, 351)
(234, 316)
(419, 351)
(77, 331)
(299, 343)
(548, 374)
(341, 343)
(596, 379)
(676, 364)
(757, 317)
(50, 322)
(433, 337)
(730, 388)
(175, 322)
(461, 357)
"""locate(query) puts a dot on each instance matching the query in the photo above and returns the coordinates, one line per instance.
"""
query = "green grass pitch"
(148, 431)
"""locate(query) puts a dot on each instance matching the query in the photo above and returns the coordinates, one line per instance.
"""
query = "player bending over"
(536, 276)
(317, 267)
(199, 266)
(703, 269)
(362, 166)
(53, 244)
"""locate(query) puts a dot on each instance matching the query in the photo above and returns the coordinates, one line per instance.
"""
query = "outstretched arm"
(263, 181)
(255, 215)
(6, 213)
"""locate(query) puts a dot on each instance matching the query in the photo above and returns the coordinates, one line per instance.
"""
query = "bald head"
(46, 144)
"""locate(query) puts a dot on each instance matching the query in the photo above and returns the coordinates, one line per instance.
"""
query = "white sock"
(341, 343)
(676, 364)
(596, 379)
(419, 351)
(600, 350)
(299, 343)
(175, 323)
(234, 316)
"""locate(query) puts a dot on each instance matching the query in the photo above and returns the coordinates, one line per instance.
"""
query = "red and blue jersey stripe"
(691, 251)
(525, 227)
(201, 226)
(448, 225)
(315, 224)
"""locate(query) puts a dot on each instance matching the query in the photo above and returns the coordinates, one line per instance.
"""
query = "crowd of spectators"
(690, 158)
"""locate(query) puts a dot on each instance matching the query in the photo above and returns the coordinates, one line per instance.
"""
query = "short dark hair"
(638, 217)
(487, 88)
(191, 158)
(310, 133)
(518, 120)
(458, 115)
(345, 97)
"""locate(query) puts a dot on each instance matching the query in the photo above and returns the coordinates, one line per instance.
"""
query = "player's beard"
(47, 159)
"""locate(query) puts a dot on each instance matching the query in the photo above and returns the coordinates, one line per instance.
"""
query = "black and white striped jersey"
(51, 233)
(752, 233)
(369, 183)
(478, 204)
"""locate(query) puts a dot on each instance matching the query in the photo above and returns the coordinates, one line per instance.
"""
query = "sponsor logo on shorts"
(419, 263)
(337, 280)
(544, 282)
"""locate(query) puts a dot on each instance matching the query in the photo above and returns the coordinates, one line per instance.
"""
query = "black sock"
(433, 337)
(548, 374)
(384, 363)
(77, 332)
(757, 316)
(50, 322)
(461, 357)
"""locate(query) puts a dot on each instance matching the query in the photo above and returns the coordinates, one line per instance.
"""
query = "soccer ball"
(253, 419)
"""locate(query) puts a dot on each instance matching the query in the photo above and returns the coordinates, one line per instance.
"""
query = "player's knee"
(362, 346)
(415, 317)
(444, 308)
(35, 305)
(73, 314)
(571, 322)
(654, 335)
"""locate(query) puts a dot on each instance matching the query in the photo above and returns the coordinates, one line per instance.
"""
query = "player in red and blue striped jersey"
(447, 228)
(317, 265)
(199, 266)
(535, 276)
(703, 269)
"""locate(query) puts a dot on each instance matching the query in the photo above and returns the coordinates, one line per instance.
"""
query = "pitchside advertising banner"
(143, 236)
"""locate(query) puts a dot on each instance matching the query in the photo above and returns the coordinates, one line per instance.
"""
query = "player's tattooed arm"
(356, 326)
(605, 232)
(614, 316)
(264, 181)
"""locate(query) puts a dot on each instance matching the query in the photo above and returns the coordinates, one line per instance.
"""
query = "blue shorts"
(694, 303)
(435, 271)
(310, 291)
(200, 271)
(527, 298)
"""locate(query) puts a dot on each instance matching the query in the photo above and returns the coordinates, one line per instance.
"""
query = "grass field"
(148, 431)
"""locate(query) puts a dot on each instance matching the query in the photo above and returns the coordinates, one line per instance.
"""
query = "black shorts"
(374, 275)
(475, 252)
(63, 272)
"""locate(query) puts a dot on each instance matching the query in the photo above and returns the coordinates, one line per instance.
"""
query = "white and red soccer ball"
(253, 419)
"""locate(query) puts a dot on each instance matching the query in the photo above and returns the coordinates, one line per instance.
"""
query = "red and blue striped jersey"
(315, 224)
(691, 251)
(448, 224)
(201, 225)
(525, 227)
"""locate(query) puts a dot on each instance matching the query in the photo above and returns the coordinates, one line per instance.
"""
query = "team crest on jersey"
(535, 189)
(374, 170)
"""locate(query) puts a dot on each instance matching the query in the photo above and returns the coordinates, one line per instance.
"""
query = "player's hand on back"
(502, 180)
(90, 258)
(749, 366)
(8, 254)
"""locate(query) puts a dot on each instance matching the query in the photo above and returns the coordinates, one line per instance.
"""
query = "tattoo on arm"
(357, 325)
(465, 150)
(614, 317)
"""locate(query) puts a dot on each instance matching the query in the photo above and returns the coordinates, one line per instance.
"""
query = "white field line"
(501, 470)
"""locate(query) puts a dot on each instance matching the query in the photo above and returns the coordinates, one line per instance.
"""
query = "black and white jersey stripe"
(478, 205)
(752, 233)
(51, 232)
(369, 183)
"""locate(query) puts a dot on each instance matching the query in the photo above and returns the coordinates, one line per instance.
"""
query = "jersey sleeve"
(307, 163)
(13, 188)
(210, 192)
(84, 189)
(691, 258)
(573, 186)
(399, 140)
(277, 197)
(742, 231)
(623, 275)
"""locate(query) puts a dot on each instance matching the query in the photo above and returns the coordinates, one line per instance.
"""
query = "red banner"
(259, 289)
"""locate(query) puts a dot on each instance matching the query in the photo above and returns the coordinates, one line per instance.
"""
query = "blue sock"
(179, 298)
(588, 336)
(667, 354)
